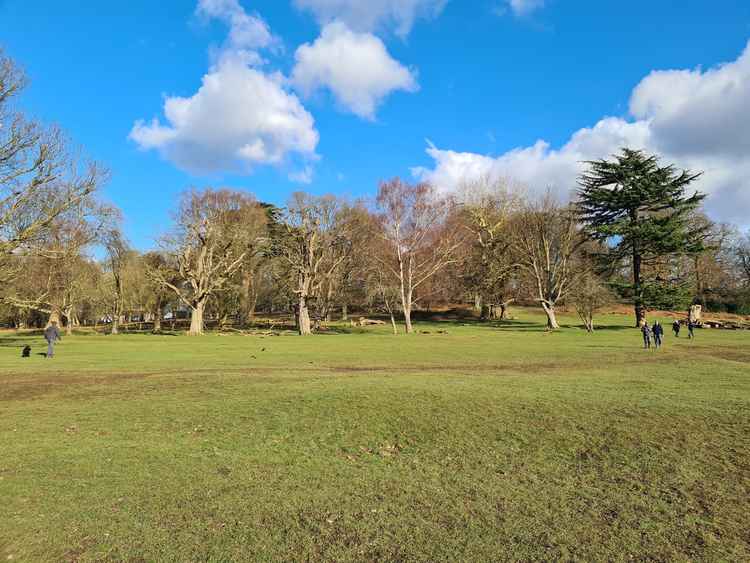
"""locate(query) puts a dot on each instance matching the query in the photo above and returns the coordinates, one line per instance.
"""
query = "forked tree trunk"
(69, 321)
(549, 309)
(196, 319)
(407, 319)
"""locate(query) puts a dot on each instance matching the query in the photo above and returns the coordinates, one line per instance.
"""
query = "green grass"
(490, 442)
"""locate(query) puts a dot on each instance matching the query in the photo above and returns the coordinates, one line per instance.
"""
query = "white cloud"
(525, 7)
(241, 117)
(238, 119)
(370, 15)
(695, 119)
(304, 176)
(248, 33)
(356, 67)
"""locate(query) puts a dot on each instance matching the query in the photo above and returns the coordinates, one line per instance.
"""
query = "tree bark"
(69, 321)
(478, 303)
(503, 311)
(407, 319)
(393, 324)
(157, 316)
(549, 309)
(196, 319)
(640, 309)
(344, 312)
(303, 323)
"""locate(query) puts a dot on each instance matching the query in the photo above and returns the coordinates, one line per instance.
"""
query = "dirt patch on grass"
(80, 386)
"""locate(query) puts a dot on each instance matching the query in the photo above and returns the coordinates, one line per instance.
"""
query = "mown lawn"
(489, 442)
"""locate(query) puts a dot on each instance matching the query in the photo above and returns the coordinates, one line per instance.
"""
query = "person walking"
(676, 328)
(658, 331)
(691, 327)
(51, 335)
(646, 330)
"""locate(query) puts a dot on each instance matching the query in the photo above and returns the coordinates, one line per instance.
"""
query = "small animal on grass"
(26, 352)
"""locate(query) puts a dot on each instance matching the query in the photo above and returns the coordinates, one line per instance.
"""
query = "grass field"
(491, 442)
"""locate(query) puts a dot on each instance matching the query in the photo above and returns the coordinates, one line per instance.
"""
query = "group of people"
(656, 332)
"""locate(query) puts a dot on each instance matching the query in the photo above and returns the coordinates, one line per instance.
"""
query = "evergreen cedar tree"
(641, 211)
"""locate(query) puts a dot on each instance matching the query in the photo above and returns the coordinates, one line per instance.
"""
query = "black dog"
(26, 352)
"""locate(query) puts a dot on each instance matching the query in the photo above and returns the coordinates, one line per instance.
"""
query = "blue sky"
(339, 94)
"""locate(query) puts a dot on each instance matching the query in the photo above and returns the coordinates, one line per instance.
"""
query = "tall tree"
(545, 240)
(208, 245)
(312, 247)
(39, 177)
(487, 266)
(641, 210)
(421, 238)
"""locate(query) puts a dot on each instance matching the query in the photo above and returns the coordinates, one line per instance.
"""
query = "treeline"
(634, 233)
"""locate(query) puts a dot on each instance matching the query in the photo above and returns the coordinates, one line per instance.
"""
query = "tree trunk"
(303, 323)
(478, 303)
(157, 316)
(196, 319)
(69, 323)
(407, 320)
(551, 317)
(393, 324)
(344, 312)
(640, 309)
(115, 329)
(503, 311)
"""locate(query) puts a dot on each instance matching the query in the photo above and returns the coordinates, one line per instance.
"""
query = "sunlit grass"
(485, 442)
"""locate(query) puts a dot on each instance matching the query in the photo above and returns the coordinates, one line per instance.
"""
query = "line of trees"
(634, 233)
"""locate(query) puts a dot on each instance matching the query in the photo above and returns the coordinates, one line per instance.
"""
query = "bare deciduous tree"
(421, 239)
(312, 248)
(588, 296)
(545, 238)
(210, 242)
(39, 178)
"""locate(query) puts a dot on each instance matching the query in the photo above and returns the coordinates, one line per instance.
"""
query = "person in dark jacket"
(51, 335)
(691, 327)
(658, 331)
(676, 328)
(646, 330)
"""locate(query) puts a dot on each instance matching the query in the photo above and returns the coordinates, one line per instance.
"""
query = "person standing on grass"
(691, 327)
(646, 330)
(658, 331)
(676, 328)
(51, 335)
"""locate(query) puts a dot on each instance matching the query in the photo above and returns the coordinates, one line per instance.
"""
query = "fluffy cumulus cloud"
(355, 67)
(370, 15)
(241, 117)
(694, 118)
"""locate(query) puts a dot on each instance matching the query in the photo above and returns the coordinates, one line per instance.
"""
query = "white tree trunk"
(304, 318)
(551, 317)
(196, 319)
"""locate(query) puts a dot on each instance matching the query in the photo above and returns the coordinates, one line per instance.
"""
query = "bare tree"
(312, 248)
(545, 238)
(488, 264)
(742, 253)
(39, 178)
(421, 239)
(588, 296)
(209, 244)
(118, 254)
